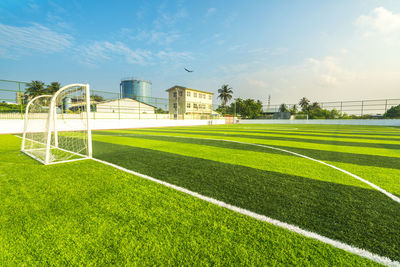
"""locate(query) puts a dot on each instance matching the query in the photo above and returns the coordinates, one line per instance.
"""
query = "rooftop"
(185, 88)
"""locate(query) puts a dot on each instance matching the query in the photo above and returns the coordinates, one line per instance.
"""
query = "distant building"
(125, 106)
(19, 97)
(187, 103)
(136, 89)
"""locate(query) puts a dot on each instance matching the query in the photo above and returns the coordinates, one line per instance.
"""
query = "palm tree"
(293, 110)
(304, 104)
(35, 88)
(225, 94)
(53, 87)
(283, 108)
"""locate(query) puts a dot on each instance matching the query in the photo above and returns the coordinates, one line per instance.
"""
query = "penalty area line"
(292, 228)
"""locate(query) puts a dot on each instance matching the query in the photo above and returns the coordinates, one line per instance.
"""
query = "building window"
(195, 106)
(180, 93)
(209, 97)
(188, 93)
(174, 94)
(188, 105)
(174, 105)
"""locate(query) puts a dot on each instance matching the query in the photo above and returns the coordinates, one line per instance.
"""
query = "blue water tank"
(136, 89)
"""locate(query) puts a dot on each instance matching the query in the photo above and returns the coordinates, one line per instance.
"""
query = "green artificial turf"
(87, 213)
(378, 165)
(277, 184)
(362, 217)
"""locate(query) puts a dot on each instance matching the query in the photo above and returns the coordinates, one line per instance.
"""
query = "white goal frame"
(51, 127)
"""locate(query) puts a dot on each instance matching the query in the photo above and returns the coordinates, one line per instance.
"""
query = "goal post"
(35, 125)
(64, 131)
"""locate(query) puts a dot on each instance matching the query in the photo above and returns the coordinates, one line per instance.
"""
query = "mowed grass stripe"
(86, 213)
(234, 153)
(330, 136)
(334, 142)
(266, 141)
(373, 168)
(312, 128)
(357, 216)
(385, 178)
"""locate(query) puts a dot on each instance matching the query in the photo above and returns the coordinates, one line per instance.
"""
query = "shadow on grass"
(281, 138)
(353, 158)
(360, 217)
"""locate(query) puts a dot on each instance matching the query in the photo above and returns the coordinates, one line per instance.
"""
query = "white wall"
(17, 126)
(394, 122)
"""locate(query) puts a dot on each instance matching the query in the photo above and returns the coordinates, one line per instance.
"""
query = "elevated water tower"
(136, 89)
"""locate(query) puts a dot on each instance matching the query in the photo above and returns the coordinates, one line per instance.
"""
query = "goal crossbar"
(42, 123)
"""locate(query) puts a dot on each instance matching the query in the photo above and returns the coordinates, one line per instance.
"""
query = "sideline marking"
(383, 191)
(292, 228)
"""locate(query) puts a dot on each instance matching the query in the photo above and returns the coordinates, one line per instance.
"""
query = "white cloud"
(210, 11)
(381, 20)
(173, 55)
(104, 51)
(17, 41)
(257, 83)
(159, 37)
(268, 51)
(167, 19)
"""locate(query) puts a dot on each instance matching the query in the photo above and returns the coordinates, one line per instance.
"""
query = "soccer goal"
(299, 117)
(57, 128)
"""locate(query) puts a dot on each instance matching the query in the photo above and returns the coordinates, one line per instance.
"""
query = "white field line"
(393, 197)
(26, 151)
(293, 228)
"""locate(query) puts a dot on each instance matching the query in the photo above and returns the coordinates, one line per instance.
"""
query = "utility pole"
(269, 103)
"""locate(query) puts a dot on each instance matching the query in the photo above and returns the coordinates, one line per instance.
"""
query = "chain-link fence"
(110, 105)
(12, 100)
(363, 108)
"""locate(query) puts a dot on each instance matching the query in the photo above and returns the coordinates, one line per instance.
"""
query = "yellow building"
(187, 103)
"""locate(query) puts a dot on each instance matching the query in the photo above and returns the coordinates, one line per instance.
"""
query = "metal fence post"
(139, 110)
(20, 100)
(386, 105)
(119, 110)
(362, 107)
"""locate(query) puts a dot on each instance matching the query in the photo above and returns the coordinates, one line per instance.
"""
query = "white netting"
(63, 134)
(35, 127)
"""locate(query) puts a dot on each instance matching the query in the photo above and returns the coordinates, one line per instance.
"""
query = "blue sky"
(324, 50)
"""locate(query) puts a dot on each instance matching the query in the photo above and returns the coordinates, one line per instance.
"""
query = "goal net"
(299, 117)
(57, 128)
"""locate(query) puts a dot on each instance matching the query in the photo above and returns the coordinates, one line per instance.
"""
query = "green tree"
(393, 112)
(34, 89)
(97, 98)
(248, 108)
(52, 88)
(283, 108)
(304, 104)
(293, 110)
(225, 94)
